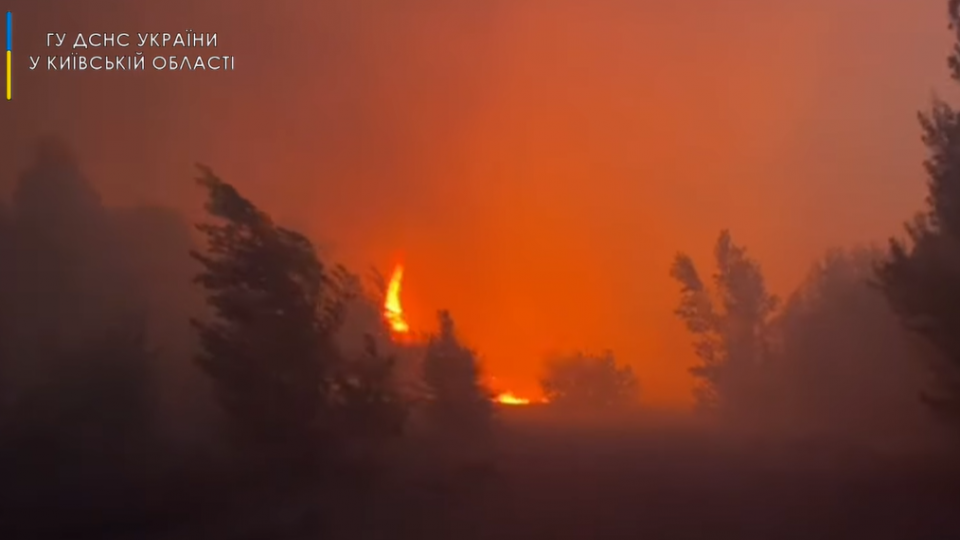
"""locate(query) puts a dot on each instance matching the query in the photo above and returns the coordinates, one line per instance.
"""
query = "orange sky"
(534, 164)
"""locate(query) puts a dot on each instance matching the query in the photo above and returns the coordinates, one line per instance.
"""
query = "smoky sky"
(534, 164)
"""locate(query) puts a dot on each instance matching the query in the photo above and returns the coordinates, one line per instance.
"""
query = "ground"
(577, 483)
(555, 481)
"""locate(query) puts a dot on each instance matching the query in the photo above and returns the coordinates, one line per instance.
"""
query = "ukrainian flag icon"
(9, 56)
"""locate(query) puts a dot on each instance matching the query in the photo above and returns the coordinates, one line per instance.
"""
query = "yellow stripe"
(9, 75)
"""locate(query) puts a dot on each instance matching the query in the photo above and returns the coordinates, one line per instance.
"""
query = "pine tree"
(921, 275)
(458, 404)
(729, 324)
(270, 346)
(65, 256)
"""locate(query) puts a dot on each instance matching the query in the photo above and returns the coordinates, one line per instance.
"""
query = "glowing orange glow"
(508, 398)
(392, 310)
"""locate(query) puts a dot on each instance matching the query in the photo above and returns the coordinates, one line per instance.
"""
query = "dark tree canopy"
(67, 257)
(844, 362)
(728, 322)
(457, 401)
(588, 381)
(77, 393)
(921, 275)
(54, 192)
(291, 393)
(270, 347)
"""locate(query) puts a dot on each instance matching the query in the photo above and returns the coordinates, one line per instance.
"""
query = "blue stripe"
(9, 31)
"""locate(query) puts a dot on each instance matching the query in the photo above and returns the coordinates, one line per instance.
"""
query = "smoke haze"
(534, 165)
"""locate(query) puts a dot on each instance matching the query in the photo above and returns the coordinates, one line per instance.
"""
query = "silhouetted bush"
(587, 381)
(458, 407)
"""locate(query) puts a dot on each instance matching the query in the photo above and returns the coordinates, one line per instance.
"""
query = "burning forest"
(393, 317)
(652, 271)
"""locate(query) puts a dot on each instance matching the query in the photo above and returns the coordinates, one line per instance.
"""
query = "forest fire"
(392, 310)
(394, 317)
(508, 398)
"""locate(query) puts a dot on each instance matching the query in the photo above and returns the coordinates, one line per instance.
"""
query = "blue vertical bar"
(9, 56)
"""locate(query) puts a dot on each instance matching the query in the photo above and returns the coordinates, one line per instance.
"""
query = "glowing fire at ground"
(508, 398)
(392, 310)
(393, 315)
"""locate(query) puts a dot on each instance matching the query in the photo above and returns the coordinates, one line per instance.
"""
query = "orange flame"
(508, 398)
(392, 310)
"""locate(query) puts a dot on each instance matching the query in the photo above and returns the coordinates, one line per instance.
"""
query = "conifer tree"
(921, 275)
(458, 404)
(269, 346)
(729, 323)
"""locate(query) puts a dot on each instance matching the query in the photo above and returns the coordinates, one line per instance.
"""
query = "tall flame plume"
(392, 310)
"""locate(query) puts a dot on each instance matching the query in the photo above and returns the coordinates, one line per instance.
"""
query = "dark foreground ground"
(578, 483)
(621, 480)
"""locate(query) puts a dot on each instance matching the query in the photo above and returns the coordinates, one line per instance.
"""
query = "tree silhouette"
(293, 398)
(844, 360)
(729, 324)
(373, 410)
(458, 405)
(363, 318)
(270, 347)
(64, 284)
(67, 259)
(163, 285)
(586, 381)
(921, 275)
